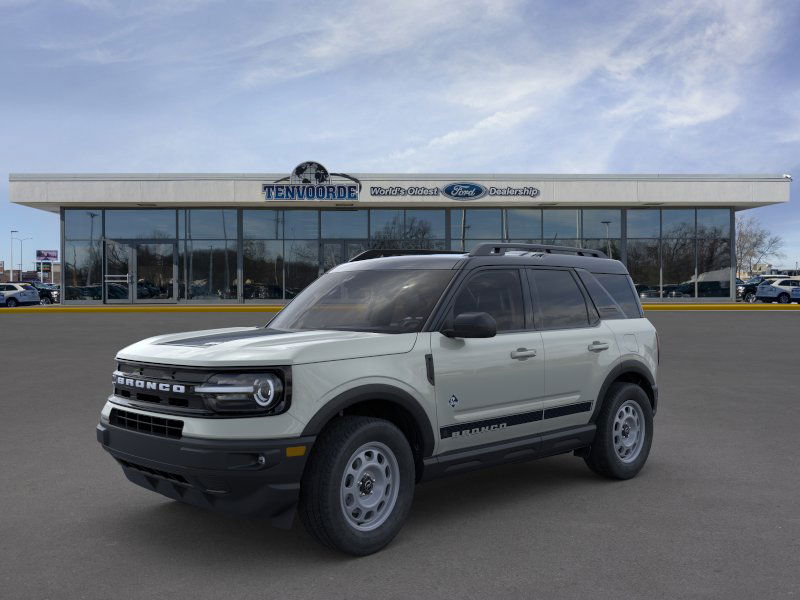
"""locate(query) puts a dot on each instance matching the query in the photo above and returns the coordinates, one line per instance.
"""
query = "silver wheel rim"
(629, 431)
(369, 486)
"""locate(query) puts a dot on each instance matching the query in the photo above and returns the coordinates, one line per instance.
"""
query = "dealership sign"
(461, 190)
(47, 255)
(311, 181)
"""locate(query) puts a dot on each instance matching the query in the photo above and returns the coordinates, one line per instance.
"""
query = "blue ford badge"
(464, 191)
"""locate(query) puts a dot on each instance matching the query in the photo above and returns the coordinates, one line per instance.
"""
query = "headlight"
(244, 393)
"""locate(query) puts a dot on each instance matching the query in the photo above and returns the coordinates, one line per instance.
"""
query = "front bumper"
(244, 477)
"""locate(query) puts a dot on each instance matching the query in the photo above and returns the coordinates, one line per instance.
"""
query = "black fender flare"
(375, 391)
(623, 368)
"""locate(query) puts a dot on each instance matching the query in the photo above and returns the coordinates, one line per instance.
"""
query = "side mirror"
(472, 325)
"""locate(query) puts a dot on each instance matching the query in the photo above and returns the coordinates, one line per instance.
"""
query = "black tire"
(783, 298)
(749, 297)
(320, 507)
(11, 302)
(602, 457)
(45, 301)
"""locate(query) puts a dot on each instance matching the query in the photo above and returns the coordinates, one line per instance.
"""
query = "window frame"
(593, 318)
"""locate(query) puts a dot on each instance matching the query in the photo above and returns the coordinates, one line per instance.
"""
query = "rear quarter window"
(621, 289)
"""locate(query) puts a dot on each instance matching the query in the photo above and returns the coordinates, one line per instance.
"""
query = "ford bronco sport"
(393, 368)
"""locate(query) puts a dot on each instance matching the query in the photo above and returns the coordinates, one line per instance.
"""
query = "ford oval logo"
(464, 191)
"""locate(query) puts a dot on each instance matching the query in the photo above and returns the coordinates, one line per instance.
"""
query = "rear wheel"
(624, 433)
(358, 486)
(783, 298)
(11, 302)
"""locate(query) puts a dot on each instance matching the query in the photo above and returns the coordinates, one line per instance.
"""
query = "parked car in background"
(18, 294)
(48, 293)
(746, 291)
(778, 290)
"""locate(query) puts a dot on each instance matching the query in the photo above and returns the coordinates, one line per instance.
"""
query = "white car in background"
(777, 290)
(18, 294)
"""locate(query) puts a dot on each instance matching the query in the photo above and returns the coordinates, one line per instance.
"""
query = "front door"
(489, 389)
(336, 252)
(140, 272)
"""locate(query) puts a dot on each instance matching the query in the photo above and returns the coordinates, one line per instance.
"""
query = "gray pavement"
(714, 514)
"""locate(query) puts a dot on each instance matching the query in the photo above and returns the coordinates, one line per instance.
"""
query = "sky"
(681, 86)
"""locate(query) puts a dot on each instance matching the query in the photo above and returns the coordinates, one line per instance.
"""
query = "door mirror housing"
(472, 325)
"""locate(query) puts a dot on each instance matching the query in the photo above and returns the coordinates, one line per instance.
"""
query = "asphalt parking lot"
(714, 514)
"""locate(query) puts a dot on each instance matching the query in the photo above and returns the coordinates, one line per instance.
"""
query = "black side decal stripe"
(568, 409)
(475, 427)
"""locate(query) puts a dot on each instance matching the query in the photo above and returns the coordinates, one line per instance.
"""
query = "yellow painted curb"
(141, 309)
(731, 306)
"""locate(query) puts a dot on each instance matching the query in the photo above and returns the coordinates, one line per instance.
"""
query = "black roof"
(486, 254)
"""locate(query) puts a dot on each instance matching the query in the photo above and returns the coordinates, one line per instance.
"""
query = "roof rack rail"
(381, 253)
(490, 249)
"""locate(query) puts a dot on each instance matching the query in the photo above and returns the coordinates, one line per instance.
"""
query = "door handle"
(598, 346)
(522, 353)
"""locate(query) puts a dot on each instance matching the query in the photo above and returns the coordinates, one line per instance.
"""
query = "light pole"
(11, 260)
(20, 240)
(608, 241)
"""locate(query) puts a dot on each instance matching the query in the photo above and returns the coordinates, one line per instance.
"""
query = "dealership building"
(262, 237)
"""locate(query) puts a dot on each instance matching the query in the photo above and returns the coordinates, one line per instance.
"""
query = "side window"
(606, 306)
(497, 292)
(620, 288)
(560, 300)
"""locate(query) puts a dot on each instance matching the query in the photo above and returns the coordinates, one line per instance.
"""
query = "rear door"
(579, 348)
(489, 389)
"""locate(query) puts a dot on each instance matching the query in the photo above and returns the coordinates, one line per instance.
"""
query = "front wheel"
(45, 301)
(624, 433)
(749, 297)
(358, 485)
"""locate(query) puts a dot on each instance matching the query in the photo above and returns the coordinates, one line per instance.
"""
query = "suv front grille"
(169, 428)
(143, 383)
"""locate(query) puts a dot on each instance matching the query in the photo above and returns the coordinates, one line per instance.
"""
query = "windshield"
(392, 301)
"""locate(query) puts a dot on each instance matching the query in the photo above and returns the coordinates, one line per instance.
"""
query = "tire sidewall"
(617, 467)
(347, 537)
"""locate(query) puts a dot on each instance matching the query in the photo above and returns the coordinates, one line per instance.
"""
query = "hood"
(257, 346)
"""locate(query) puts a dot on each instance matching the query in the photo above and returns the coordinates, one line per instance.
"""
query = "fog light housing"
(244, 393)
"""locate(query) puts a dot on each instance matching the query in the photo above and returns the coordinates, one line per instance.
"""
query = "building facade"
(261, 238)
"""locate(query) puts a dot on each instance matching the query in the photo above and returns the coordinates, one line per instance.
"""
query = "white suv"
(18, 294)
(397, 367)
(777, 290)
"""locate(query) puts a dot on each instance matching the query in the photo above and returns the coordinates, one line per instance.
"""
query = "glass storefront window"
(209, 224)
(644, 266)
(208, 270)
(524, 224)
(140, 224)
(713, 222)
(677, 223)
(560, 227)
(713, 267)
(644, 222)
(262, 224)
(301, 265)
(602, 223)
(476, 223)
(342, 224)
(299, 224)
(83, 271)
(425, 225)
(678, 267)
(610, 246)
(83, 224)
(263, 269)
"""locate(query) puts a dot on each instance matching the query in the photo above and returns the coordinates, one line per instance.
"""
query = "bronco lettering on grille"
(154, 386)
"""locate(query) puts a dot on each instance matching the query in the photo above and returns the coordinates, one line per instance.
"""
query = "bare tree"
(754, 243)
